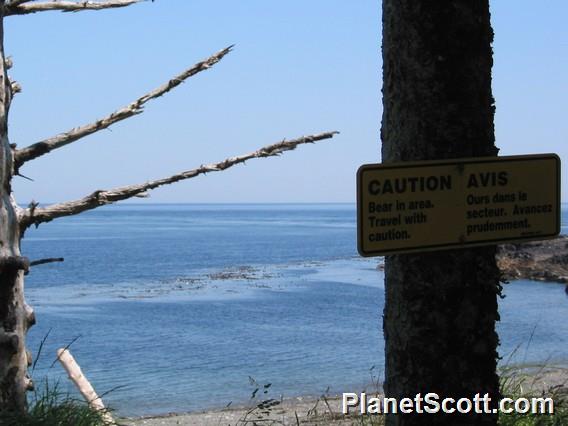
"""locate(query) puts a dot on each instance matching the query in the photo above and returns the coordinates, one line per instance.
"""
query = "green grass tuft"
(51, 407)
(539, 381)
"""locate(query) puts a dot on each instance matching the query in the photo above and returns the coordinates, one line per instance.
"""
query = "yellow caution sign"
(435, 205)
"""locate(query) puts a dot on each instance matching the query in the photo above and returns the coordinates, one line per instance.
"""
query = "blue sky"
(299, 67)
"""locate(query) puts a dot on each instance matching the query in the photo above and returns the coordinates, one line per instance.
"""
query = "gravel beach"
(300, 410)
(310, 411)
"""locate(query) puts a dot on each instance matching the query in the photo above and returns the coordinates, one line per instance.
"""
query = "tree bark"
(15, 316)
(441, 307)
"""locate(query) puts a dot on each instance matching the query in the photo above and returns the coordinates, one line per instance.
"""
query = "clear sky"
(299, 67)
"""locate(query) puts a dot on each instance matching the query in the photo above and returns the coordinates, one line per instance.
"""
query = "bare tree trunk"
(441, 307)
(15, 316)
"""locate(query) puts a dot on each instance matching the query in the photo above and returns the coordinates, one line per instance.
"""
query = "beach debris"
(83, 385)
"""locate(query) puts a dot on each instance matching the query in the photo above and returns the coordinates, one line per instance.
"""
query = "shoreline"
(308, 410)
(316, 407)
(327, 409)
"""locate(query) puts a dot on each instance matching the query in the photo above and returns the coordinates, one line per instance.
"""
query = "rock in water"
(545, 260)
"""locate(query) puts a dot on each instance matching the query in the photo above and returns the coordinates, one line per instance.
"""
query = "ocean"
(174, 308)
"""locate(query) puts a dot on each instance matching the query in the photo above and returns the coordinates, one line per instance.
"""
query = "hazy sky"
(299, 67)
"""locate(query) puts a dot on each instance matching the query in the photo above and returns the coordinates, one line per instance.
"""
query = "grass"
(520, 382)
(537, 382)
(266, 410)
(516, 382)
(51, 407)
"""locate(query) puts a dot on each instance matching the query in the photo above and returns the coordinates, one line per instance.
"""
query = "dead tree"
(16, 317)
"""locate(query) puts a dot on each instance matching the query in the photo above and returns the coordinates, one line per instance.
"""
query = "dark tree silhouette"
(441, 307)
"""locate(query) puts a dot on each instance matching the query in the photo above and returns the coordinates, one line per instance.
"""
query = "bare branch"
(12, 3)
(24, 7)
(43, 147)
(46, 260)
(43, 262)
(36, 215)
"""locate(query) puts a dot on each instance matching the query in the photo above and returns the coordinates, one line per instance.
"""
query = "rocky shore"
(545, 260)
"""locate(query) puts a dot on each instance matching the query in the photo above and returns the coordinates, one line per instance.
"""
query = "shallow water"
(182, 303)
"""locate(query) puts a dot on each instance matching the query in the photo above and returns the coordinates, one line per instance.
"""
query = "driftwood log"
(83, 385)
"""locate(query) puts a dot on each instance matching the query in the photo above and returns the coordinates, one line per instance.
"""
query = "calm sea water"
(180, 304)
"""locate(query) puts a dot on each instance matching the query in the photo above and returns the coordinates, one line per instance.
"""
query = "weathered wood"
(83, 385)
(134, 108)
(35, 215)
(13, 317)
(441, 307)
(15, 87)
(13, 3)
(25, 7)
(29, 316)
(14, 263)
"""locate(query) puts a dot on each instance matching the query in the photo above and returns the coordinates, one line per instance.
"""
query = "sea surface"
(175, 308)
